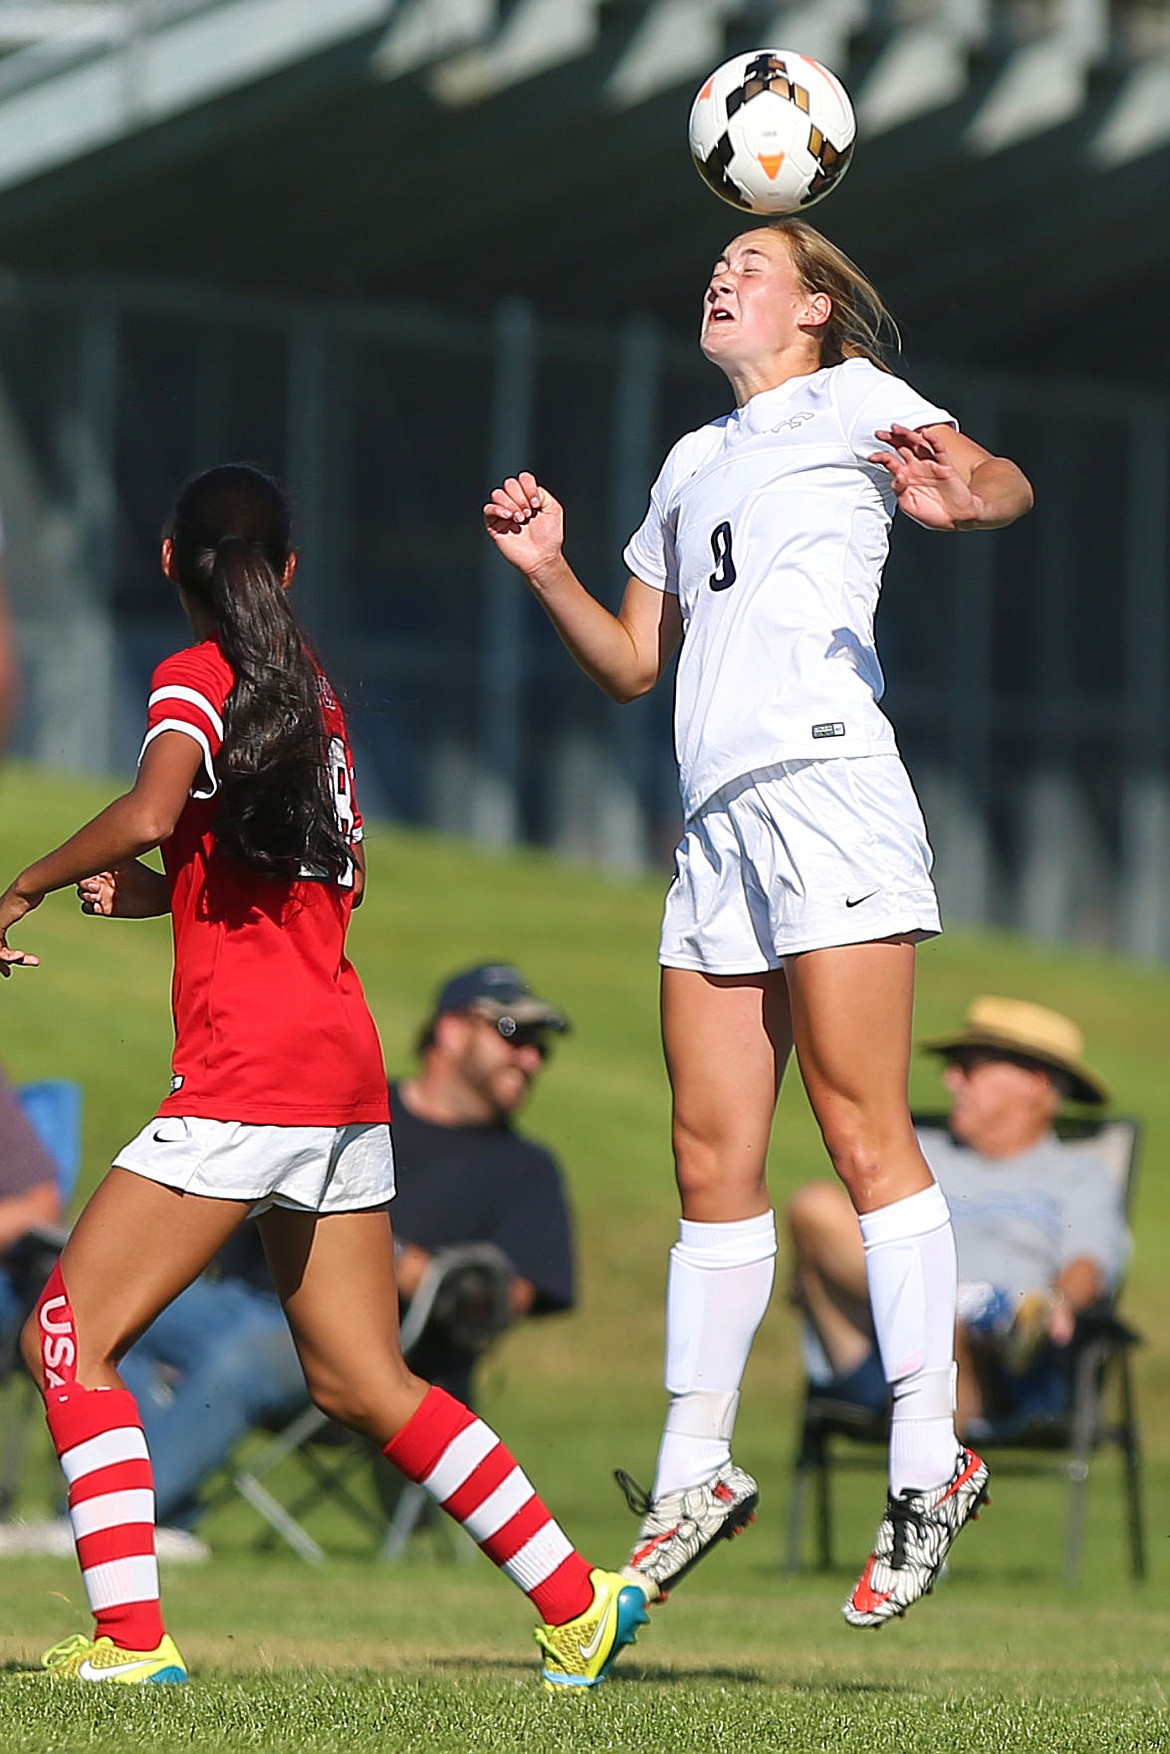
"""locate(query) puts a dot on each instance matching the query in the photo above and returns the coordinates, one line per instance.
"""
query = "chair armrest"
(848, 1417)
(464, 1296)
(1099, 1322)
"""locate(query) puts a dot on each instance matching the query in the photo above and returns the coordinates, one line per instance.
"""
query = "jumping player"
(802, 881)
(278, 1102)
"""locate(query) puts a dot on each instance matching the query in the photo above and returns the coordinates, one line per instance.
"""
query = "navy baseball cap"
(498, 989)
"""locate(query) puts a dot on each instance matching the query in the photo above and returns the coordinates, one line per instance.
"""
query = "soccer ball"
(772, 131)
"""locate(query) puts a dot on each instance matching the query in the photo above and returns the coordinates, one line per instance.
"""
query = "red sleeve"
(187, 694)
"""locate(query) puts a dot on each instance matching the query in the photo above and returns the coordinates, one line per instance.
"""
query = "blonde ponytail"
(859, 326)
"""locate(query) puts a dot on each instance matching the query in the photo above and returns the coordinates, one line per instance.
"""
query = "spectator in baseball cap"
(499, 993)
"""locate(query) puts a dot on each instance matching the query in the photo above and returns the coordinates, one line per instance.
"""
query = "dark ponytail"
(231, 537)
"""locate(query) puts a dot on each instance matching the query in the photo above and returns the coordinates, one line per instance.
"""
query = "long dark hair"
(232, 541)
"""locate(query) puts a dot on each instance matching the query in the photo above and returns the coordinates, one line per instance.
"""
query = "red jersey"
(271, 1024)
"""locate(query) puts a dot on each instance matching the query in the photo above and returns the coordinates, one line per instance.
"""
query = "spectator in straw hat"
(1038, 1232)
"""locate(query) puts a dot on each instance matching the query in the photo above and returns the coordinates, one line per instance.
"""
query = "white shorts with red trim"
(800, 856)
(306, 1169)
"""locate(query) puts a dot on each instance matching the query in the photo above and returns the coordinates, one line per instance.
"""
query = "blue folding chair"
(53, 1108)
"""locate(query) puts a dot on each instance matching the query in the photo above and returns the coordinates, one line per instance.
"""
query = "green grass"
(424, 1657)
(359, 1656)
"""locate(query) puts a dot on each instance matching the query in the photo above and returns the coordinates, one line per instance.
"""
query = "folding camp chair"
(1063, 1447)
(53, 1108)
(465, 1295)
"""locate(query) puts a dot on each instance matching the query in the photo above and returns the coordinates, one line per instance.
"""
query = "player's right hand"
(10, 958)
(13, 907)
(525, 522)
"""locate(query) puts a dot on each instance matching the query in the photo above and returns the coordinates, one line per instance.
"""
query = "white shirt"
(1019, 1221)
(772, 529)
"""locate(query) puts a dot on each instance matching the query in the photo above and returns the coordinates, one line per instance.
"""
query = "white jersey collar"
(764, 410)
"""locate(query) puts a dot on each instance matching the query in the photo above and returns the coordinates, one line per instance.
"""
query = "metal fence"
(1027, 671)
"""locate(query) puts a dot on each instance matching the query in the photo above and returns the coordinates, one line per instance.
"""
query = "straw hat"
(1020, 1030)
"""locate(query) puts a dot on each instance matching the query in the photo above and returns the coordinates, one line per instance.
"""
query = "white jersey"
(772, 529)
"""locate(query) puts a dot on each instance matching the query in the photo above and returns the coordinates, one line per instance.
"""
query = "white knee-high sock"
(717, 1290)
(910, 1269)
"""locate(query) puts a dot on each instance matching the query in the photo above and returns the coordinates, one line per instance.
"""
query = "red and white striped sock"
(101, 1446)
(461, 1462)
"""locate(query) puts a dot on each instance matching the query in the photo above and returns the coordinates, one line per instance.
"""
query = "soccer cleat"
(680, 1527)
(581, 1652)
(913, 1540)
(79, 1658)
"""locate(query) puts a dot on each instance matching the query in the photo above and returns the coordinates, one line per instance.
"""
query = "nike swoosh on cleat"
(973, 1463)
(590, 1650)
(866, 1599)
(109, 1671)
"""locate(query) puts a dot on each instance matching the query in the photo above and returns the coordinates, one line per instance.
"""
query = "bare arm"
(135, 823)
(1080, 1284)
(626, 653)
(945, 481)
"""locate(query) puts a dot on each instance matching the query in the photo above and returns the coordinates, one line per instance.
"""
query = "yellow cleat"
(581, 1652)
(79, 1658)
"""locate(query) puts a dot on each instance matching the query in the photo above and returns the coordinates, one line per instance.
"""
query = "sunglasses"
(519, 1035)
(972, 1058)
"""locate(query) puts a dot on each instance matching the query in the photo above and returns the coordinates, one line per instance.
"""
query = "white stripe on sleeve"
(176, 691)
(200, 737)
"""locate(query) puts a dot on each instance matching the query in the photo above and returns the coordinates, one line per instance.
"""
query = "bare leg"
(851, 1011)
(969, 1391)
(727, 1040)
(829, 1282)
(135, 1247)
(851, 1017)
(335, 1277)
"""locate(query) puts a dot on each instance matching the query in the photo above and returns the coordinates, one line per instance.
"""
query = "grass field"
(428, 1655)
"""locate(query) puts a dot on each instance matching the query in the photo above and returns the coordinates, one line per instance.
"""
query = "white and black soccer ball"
(772, 131)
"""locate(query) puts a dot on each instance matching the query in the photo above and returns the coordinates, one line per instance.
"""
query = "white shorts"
(800, 856)
(307, 1169)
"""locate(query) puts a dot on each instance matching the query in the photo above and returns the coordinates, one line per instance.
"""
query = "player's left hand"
(132, 891)
(927, 484)
(13, 907)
